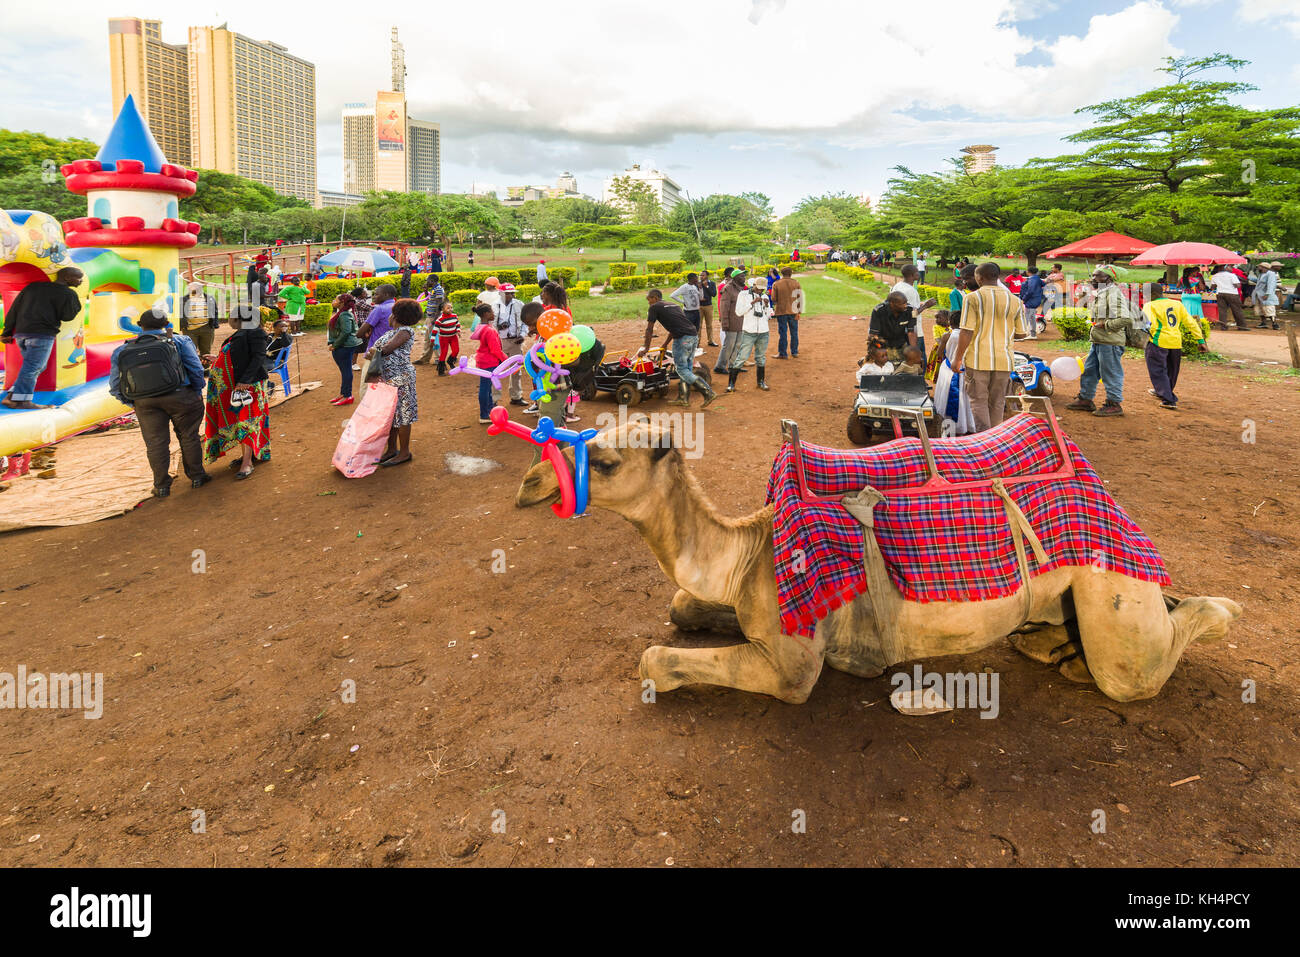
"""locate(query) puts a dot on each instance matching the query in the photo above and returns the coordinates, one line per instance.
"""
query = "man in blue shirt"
(1031, 294)
(182, 409)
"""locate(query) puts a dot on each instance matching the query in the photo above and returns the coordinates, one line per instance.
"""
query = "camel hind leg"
(1131, 641)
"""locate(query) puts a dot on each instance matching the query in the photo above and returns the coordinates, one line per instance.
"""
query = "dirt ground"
(513, 698)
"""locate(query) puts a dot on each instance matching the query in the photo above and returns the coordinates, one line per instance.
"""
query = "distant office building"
(980, 158)
(253, 110)
(666, 191)
(566, 187)
(424, 157)
(327, 198)
(358, 148)
(384, 148)
(406, 158)
(222, 101)
(157, 76)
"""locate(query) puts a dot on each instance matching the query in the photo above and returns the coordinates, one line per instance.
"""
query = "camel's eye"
(604, 466)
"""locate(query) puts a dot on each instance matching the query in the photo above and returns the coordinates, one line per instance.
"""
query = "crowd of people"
(175, 381)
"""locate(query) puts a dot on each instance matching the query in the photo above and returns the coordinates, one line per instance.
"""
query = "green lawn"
(591, 264)
(825, 296)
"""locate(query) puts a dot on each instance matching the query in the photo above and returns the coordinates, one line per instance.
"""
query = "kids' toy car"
(632, 377)
(891, 403)
(1032, 375)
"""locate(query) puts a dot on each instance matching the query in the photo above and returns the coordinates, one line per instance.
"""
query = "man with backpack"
(160, 375)
(1112, 321)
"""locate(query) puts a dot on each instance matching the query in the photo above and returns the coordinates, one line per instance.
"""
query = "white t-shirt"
(908, 290)
(870, 368)
(1225, 283)
(920, 264)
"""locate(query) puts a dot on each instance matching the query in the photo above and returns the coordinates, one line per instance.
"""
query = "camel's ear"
(664, 442)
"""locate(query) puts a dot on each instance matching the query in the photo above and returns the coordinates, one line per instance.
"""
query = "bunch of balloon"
(560, 343)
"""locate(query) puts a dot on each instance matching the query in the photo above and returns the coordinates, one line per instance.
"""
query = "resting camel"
(1096, 626)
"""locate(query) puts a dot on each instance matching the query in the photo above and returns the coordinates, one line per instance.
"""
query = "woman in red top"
(489, 356)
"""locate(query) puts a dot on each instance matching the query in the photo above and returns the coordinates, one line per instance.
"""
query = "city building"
(566, 187)
(424, 154)
(329, 198)
(221, 101)
(358, 148)
(980, 158)
(666, 191)
(156, 75)
(253, 110)
(384, 148)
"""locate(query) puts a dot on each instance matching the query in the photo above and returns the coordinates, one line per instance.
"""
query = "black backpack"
(149, 366)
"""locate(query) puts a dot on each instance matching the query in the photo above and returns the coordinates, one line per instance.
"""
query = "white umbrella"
(360, 259)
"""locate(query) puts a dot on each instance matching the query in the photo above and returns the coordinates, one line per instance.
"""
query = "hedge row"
(621, 269)
(665, 266)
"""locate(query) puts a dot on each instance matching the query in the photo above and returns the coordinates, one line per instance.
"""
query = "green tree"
(1186, 162)
(637, 200)
(32, 189)
(25, 152)
(826, 219)
(720, 212)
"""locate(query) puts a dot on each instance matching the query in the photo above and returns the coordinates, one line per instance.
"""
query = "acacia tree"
(1185, 162)
(638, 201)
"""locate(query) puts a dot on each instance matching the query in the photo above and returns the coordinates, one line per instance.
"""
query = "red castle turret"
(130, 183)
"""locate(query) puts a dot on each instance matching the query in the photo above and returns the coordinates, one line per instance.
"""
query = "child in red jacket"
(489, 356)
(447, 328)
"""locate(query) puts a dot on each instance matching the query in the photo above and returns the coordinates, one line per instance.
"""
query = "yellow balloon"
(563, 347)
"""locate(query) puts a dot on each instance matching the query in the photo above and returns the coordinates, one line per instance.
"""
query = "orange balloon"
(552, 322)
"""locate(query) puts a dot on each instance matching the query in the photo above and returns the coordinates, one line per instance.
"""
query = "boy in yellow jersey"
(1164, 353)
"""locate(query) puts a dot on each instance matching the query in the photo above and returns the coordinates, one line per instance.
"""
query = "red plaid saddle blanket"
(952, 545)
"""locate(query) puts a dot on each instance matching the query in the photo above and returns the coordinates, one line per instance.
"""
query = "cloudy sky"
(787, 97)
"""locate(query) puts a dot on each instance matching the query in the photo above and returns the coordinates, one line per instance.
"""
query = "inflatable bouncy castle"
(127, 248)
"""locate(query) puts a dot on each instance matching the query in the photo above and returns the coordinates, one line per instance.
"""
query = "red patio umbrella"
(1101, 245)
(1187, 254)
(818, 248)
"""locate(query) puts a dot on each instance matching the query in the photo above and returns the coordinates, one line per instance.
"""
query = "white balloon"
(1065, 369)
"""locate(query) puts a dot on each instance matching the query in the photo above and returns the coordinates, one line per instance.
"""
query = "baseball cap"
(507, 287)
(491, 281)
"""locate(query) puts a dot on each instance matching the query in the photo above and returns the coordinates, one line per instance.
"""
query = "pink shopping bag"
(366, 433)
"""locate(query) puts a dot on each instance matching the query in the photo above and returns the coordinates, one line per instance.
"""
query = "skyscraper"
(156, 75)
(980, 158)
(253, 110)
(424, 155)
(358, 148)
(222, 102)
(385, 149)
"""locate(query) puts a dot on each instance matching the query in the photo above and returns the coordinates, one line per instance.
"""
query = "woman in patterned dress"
(239, 370)
(394, 348)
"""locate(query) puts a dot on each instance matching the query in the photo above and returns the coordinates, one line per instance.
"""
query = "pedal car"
(631, 377)
(878, 395)
(1032, 375)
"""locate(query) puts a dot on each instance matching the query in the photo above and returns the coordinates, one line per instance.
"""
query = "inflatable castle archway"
(127, 246)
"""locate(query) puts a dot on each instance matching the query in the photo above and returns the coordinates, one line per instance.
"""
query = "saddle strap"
(879, 587)
(1020, 530)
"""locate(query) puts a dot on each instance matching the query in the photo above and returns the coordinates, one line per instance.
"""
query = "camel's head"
(631, 466)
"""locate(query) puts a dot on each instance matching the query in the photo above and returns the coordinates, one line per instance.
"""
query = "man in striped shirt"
(991, 318)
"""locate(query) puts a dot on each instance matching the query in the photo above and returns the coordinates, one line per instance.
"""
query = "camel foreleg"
(692, 614)
(786, 668)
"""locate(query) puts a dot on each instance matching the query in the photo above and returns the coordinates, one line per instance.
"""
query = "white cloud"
(521, 94)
